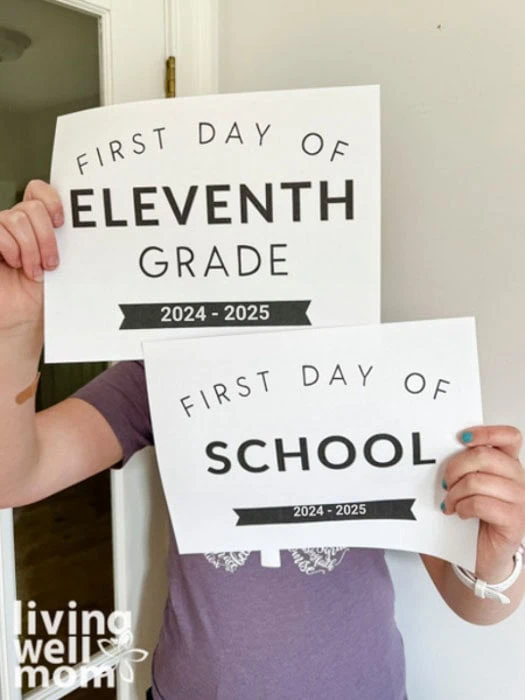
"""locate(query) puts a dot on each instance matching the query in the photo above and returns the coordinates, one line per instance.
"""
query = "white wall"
(453, 110)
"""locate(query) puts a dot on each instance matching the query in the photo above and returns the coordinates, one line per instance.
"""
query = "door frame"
(190, 33)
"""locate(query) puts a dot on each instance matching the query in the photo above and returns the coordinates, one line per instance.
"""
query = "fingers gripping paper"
(315, 438)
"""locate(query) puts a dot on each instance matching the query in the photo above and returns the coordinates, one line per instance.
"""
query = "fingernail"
(52, 262)
(38, 274)
(58, 220)
(444, 484)
(443, 506)
(467, 436)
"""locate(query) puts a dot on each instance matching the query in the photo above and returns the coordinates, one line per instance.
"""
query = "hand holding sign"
(487, 481)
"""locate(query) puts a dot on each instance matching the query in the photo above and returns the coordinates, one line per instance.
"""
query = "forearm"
(20, 351)
(480, 611)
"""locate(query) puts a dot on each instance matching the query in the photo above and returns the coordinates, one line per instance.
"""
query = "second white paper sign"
(315, 438)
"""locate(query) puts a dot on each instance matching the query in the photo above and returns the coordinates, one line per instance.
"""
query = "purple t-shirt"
(320, 626)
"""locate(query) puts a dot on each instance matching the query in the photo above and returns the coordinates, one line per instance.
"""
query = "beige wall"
(453, 109)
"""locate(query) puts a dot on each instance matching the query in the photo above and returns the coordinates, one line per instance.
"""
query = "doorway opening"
(49, 65)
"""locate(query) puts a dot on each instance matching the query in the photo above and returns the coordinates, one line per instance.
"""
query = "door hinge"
(170, 77)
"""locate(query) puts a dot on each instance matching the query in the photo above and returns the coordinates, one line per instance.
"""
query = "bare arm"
(43, 453)
(72, 442)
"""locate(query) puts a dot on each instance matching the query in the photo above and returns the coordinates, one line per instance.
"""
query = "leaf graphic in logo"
(109, 647)
(126, 669)
(121, 648)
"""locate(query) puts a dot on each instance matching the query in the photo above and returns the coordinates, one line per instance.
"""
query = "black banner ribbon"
(208, 314)
(397, 509)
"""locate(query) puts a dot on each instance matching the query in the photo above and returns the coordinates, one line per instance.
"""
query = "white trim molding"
(196, 43)
(8, 663)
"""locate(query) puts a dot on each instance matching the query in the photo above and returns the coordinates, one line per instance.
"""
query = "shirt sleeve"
(120, 395)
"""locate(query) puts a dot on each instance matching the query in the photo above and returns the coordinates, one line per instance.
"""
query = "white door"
(135, 39)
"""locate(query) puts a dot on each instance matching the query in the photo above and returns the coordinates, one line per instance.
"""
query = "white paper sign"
(315, 438)
(214, 214)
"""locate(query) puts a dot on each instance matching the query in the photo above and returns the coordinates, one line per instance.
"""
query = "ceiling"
(60, 66)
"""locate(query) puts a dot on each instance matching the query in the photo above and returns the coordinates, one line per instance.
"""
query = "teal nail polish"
(443, 506)
(444, 484)
(467, 436)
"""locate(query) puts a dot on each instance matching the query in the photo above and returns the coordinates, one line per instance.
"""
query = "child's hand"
(487, 481)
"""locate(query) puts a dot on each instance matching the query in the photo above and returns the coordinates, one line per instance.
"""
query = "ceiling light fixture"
(12, 44)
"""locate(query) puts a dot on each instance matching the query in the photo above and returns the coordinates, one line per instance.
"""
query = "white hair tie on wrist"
(491, 591)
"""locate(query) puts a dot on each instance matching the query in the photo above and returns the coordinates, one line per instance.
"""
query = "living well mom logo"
(55, 648)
